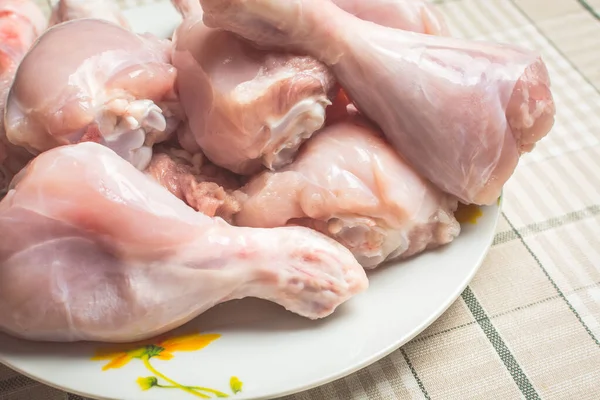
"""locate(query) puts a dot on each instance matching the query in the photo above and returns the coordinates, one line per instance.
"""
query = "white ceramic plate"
(271, 351)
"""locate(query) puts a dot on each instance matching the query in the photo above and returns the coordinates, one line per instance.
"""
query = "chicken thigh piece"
(350, 184)
(68, 10)
(461, 112)
(410, 15)
(120, 259)
(101, 83)
(21, 22)
(246, 108)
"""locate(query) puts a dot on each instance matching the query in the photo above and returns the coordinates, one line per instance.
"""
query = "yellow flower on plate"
(117, 359)
(193, 342)
(235, 384)
(161, 349)
(147, 383)
(468, 214)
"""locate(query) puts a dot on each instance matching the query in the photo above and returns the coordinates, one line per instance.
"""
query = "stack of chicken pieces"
(273, 149)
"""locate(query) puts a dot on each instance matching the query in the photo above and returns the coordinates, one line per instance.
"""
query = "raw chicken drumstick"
(419, 16)
(93, 249)
(461, 112)
(410, 15)
(68, 10)
(21, 22)
(100, 83)
(246, 108)
(350, 184)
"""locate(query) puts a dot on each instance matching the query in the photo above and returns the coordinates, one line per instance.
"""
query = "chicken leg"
(101, 83)
(246, 108)
(120, 259)
(419, 16)
(461, 112)
(349, 183)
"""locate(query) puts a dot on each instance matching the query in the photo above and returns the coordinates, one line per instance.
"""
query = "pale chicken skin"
(410, 15)
(95, 250)
(461, 112)
(21, 22)
(246, 108)
(101, 83)
(350, 184)
(68, 10)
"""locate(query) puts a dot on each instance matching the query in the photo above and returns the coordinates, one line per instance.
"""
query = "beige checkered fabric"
(528, 326)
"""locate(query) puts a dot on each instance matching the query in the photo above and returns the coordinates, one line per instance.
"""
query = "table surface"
(528, 325)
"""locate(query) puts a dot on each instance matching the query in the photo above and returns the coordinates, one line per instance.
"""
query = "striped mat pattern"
(528, 326)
